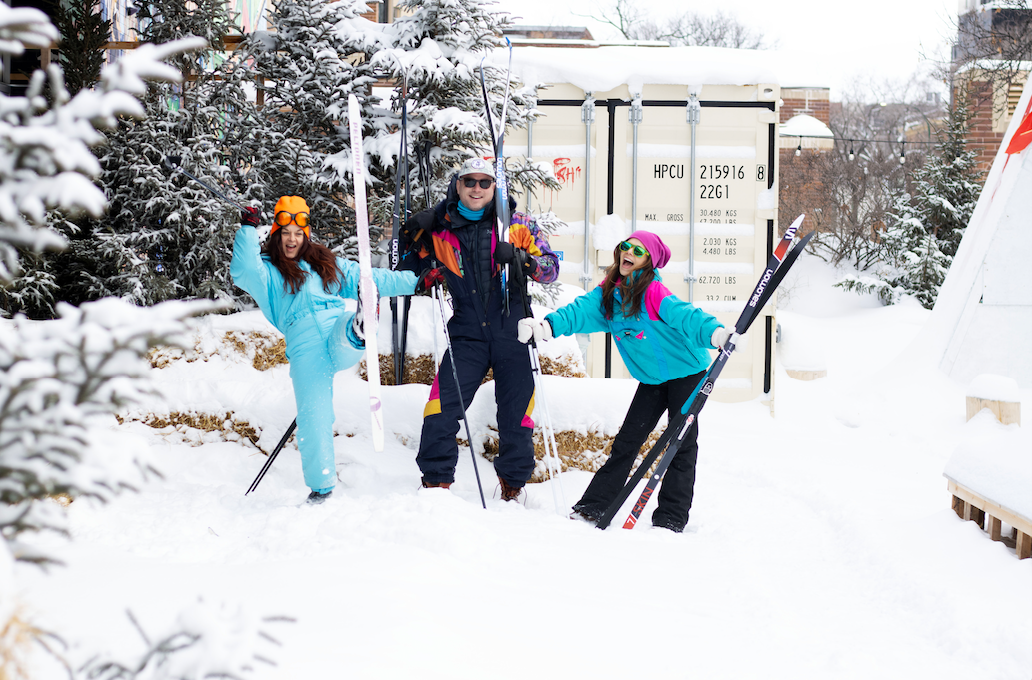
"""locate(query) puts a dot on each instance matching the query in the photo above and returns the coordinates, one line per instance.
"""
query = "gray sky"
(836, 43)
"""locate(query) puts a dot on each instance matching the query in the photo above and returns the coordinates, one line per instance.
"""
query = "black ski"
(502, 216)
(670, 441)
(399, 327)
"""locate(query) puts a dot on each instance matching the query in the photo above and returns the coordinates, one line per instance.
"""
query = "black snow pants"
(678, 486)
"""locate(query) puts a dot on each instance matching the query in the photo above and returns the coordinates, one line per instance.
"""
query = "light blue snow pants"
(319, 345)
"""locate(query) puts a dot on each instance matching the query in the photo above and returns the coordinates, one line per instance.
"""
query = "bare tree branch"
(721, 29)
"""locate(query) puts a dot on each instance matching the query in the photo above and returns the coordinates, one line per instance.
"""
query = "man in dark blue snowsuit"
(459, 239)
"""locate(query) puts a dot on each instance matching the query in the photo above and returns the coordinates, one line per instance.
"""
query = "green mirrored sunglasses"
(639, 251)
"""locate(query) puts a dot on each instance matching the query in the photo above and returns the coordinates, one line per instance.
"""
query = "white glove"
(721, 335)
(540, 329)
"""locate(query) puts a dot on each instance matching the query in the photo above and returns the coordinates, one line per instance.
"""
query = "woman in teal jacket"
(300, 286)
(665, 343)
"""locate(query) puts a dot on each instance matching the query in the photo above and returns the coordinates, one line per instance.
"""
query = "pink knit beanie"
(657, 249)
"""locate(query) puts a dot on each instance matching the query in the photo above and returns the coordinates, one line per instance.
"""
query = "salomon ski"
(400, 214)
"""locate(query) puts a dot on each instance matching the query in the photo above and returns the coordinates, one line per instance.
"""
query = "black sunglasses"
(470, 183)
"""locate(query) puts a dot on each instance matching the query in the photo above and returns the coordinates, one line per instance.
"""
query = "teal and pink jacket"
(669, 339)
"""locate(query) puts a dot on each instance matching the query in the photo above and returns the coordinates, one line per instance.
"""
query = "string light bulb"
(851, 155)
(902, 153)
(799, 149)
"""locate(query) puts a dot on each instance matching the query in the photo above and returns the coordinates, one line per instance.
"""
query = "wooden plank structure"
(1007, 412)
(970, 505)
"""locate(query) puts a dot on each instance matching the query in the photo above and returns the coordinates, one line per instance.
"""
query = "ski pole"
(458, 391)
(272, 456)
(552, 462)
(173, 163)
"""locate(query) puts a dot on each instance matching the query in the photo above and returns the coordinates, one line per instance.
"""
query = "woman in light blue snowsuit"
(300, 286)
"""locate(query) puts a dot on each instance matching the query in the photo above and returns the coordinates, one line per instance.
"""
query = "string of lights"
(902, 144)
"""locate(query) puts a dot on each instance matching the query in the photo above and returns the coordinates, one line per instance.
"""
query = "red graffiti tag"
(565, 171)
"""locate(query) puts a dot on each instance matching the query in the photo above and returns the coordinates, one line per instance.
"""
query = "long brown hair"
(320, 258)
(632, 288)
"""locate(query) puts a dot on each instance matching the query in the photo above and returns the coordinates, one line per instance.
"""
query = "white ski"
(366, 287)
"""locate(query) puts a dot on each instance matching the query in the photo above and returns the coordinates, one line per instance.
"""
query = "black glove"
(525, 262)
(428, 278)
(504, 252)
(250, 217)
(415, 239)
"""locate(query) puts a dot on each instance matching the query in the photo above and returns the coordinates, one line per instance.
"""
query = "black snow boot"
(315, 497)
(587, 512)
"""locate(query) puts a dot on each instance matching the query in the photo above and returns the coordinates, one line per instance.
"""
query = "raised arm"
(248, 269)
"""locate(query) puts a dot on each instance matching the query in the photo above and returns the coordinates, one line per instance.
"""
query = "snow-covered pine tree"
(34, 292)
(246, 141)
(918, 264)
(438, 49)
(926, 225)
(947, 186)
(83, 33)
(165, 236)
(315, 54)
(52, 381)
(61, 380)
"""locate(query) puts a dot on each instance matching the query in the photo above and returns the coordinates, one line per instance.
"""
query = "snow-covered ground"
(821, 543)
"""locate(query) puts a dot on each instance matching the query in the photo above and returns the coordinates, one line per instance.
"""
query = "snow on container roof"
(606, 68)
(804, 125)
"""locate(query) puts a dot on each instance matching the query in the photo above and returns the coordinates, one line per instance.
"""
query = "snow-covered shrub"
(57, 379)
(862, 285)
(204, 641)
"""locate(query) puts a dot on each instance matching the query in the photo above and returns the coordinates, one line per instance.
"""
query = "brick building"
(992, 40)
(992, 107)
(805, 112)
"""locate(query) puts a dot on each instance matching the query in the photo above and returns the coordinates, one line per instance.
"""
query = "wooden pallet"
(989, 515)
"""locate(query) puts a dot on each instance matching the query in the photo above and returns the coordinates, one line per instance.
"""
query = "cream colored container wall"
(735, 189)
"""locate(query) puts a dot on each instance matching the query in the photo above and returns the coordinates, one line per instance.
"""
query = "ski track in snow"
(821, 542)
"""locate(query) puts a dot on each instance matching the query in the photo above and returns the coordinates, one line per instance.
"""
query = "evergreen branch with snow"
(46, 135)
(205, 641)
(58, 379)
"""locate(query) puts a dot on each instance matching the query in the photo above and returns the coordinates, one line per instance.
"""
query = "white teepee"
(982, 320)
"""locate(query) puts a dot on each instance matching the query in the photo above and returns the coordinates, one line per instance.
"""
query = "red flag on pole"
(1022, 136)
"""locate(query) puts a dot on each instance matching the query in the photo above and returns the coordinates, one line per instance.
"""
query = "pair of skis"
(400, 305)
(676, 431)
(502, 216)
